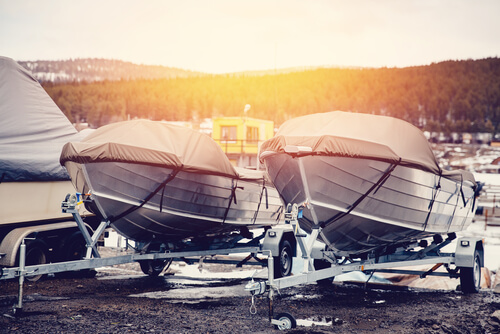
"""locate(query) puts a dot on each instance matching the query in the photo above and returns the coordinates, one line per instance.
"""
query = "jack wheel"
(288, 319)
(154, 267)
(283, 263)
(470, 278)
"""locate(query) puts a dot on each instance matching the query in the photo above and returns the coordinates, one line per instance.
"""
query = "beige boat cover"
(360, 136)
(157, 144)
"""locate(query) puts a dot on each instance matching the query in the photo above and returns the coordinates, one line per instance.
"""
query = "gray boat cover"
(360, 136)
(157, 144)
(32, 128)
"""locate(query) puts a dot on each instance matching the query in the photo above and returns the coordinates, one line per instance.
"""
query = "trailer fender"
(10, 244)
(465, 251)
(273, 240)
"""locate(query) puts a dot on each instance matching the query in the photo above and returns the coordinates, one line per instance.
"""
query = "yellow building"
(241, 137)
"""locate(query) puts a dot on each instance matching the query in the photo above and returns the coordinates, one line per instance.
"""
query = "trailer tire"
(154, 267)
(470, 278)
(288, 319)
(36, 253)
(75, 248)
(283, 263)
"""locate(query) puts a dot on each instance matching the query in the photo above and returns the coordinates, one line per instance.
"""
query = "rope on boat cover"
(170, 177)
(377, 185)
(232, 197)
(431, 203)
(456, 204)
(260, 200)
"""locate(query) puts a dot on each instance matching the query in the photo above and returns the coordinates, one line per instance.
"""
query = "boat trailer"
(322, 265)
(319, 264)
(270, 243)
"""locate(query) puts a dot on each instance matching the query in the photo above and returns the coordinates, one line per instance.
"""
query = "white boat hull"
(363, 205)
(132, 198)
(29, 202)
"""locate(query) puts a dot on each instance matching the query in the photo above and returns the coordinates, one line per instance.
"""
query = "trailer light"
(272, 234)
(464, 243)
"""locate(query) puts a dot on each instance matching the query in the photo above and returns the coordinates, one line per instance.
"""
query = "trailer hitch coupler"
(256, 288)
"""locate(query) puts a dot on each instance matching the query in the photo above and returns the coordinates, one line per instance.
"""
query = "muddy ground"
(105, 304)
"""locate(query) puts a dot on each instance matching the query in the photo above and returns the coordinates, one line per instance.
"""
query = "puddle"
(300, 296)
(208, 282)
(39, 297)
(197, 294)
(193, 271)
(316, 321)
(101, 278)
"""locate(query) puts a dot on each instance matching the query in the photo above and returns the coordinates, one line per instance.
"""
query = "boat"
(368, 183)
(33, 131)
(163, 182)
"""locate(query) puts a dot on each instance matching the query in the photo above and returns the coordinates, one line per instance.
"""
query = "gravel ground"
(115, 303)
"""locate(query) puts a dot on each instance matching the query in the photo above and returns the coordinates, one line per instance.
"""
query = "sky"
(223, 36)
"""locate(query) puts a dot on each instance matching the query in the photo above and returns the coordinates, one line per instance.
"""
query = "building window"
(228, 133)
(252, 134)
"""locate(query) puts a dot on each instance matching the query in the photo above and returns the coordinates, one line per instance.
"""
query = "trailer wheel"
(283, 263)
(154, 267)
(75, 248)
(288, 319)
(36, 253)
(470, 278)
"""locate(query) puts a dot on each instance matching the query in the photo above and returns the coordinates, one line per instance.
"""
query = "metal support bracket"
(306, 249)
(69, 205)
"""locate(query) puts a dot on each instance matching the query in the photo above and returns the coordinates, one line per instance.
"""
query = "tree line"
(98, 69)
(450, 96)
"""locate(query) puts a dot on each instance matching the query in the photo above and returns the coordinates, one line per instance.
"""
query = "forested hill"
(95, 69)
(462, 96)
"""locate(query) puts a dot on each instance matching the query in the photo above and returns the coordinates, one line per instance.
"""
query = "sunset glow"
(228, 36)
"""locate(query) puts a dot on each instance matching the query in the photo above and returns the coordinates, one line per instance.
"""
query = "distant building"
(241, 137)
(495, 143)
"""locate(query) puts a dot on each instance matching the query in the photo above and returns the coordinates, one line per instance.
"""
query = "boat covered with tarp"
(369, 183)
(158, 181)
(33, 131)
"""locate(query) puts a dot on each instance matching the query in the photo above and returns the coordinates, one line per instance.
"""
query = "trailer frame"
(270, 246)
(464, 263)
